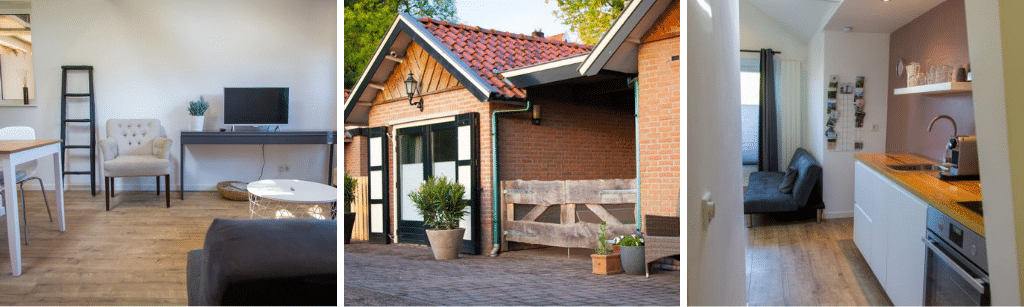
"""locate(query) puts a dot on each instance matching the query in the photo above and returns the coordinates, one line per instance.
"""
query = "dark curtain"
(768, 142)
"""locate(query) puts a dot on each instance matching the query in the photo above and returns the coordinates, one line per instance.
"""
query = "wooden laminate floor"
(806, 263)
(135, 254)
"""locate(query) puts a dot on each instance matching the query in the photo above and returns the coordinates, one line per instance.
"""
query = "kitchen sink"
(915, 167)
(973, 206)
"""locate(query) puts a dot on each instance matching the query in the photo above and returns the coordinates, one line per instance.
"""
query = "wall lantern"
(536, 114)
(411, 89)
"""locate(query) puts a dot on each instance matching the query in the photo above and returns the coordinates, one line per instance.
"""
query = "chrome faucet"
(952, 139)
(937, 118)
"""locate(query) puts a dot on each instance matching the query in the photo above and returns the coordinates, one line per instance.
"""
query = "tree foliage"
(589, 19)
(367, 21)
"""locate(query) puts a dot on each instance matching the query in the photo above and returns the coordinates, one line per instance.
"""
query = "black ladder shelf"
(91, 120)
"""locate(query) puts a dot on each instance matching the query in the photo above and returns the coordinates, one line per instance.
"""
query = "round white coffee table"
(290, 198)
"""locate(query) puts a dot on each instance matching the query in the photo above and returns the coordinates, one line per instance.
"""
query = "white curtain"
(788, 91)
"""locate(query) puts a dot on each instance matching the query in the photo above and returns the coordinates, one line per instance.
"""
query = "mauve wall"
(938, 36)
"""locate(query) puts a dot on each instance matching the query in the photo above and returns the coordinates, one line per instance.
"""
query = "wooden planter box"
(606, 264)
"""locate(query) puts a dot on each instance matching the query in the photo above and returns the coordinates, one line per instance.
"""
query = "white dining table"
(13, 153)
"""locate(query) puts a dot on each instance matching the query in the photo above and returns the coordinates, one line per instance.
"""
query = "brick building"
(573, 125)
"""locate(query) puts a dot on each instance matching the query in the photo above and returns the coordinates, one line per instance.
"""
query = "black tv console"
(256, 138)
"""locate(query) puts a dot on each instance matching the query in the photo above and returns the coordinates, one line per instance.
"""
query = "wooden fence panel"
(361, 206)
(581, 207)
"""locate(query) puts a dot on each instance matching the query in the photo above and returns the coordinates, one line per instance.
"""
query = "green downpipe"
(495, 184)
(635, 84)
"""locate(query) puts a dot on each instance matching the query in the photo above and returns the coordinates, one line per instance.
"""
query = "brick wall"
(355, 157)
(659, 126)
(457, 101)
(575, 141)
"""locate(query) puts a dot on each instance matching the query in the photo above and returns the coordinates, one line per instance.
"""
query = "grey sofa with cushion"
(265, 262)
(764, 196)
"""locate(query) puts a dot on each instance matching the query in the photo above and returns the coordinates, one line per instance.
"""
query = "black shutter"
(379, 222)
(468, 170)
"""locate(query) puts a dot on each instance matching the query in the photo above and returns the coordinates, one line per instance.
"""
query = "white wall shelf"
(935, 88)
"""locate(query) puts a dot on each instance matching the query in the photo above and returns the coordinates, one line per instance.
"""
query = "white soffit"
(876, 16)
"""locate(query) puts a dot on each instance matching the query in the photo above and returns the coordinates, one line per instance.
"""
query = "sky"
(515, 16)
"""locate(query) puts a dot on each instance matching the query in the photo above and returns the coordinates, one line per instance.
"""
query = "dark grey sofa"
(265, 262)
(763, 194)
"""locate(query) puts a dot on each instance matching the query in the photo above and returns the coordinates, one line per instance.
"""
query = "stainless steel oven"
(957, 264)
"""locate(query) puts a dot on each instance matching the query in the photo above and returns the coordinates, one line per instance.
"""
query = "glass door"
(412, 173)
(425, 151)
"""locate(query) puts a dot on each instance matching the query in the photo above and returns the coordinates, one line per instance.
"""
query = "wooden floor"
(135, 254)
(806, 263)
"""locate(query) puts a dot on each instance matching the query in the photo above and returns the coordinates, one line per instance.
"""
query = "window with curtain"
(750, 80)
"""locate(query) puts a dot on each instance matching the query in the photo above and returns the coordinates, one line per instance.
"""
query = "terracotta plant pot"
(606, 264)
(445, 243)
(350, 219)
(633, 260)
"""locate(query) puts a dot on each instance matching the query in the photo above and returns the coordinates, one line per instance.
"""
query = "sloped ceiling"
(802, 17)
(876, 16)
(807, 17)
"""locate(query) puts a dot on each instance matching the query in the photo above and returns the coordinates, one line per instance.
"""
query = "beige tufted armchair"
(136, 148)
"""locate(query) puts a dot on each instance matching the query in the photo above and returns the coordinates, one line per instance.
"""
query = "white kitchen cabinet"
(862, 227)
(905, 261)
(888, 225)
(869, 229)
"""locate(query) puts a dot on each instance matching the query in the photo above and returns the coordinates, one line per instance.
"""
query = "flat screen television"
(255, 105)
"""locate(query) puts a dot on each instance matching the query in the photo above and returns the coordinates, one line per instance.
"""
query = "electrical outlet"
(874, 127)
(283, 168)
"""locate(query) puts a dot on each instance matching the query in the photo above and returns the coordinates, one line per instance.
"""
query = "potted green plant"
(350, 196)
(605, 262)
(441, 204)
(197, 109)
(632, 248)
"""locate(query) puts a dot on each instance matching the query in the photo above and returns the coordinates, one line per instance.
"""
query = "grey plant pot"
(445, 243)
(350, 219)
(633, 260)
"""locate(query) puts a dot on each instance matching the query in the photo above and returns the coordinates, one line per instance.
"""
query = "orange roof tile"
(488, 51)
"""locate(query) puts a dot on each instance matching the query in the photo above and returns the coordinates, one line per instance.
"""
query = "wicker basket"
(230, 192)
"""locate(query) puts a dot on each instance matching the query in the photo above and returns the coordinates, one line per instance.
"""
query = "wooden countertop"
(943, 195)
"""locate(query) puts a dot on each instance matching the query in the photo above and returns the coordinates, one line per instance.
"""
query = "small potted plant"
(350, 196)
(605, 262)
(196, 109)
(441, 205)
(632, 247)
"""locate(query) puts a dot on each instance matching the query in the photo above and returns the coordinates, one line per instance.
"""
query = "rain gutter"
(635, 84)
(496, 188)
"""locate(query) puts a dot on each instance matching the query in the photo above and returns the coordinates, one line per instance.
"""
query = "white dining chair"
(24, 172)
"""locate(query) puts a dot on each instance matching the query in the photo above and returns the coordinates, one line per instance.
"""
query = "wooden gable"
(666, 26)
(432, 77)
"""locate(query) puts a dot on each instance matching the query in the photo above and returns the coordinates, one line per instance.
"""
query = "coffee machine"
(962, 156)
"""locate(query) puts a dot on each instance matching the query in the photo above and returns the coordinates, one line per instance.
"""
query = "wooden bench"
(661, 238)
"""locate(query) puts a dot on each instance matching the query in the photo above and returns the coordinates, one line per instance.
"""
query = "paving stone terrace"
(408, 275)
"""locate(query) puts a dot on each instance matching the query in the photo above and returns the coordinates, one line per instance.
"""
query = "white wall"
(814, 136)
(991, 103)
(848, 55)
(758, 30)
(152, 57)
(714, 254)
